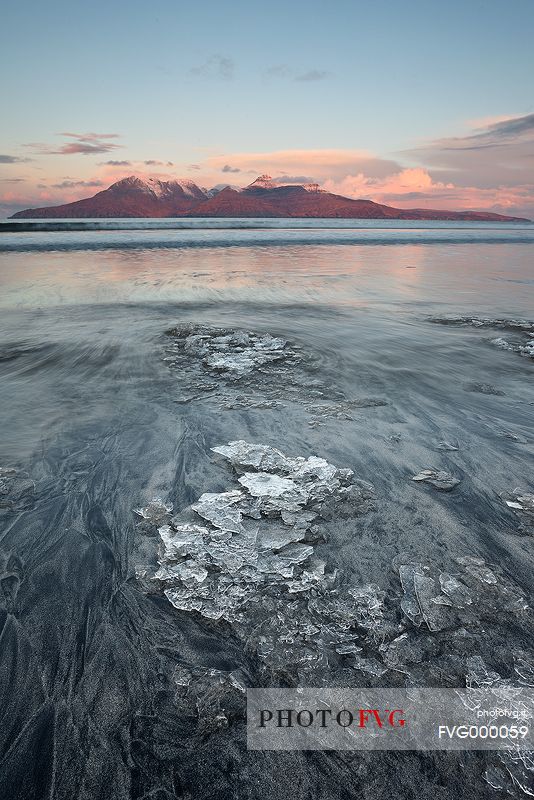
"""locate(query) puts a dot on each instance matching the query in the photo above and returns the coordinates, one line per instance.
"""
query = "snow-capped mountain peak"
(262, 182)
(188, 187)
(154, 197)
(160, 188)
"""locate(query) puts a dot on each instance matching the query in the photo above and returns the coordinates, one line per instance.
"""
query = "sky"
(411, 103)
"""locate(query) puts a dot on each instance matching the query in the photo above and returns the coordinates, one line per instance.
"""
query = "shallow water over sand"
(483, 278)
(98, 421)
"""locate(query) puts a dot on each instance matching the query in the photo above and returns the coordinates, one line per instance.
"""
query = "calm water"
(89, 411)
(339, 262)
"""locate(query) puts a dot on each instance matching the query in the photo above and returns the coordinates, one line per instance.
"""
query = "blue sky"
(194, 83)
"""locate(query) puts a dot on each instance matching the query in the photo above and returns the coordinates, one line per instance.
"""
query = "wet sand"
(97, 423)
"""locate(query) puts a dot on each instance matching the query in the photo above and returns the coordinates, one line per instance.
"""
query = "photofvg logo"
(325, 717)
(390, 719)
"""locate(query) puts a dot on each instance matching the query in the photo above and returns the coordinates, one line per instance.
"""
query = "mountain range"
(152, 197)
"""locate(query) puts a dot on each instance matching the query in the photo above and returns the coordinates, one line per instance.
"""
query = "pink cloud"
(323, 164)
(460, 173)
(406, 181)
(414, 187)
(360, 174)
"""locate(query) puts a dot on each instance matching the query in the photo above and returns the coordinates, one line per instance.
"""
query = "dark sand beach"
(388, 360)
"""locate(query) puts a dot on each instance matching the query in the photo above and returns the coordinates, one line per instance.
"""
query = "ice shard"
(437, 478)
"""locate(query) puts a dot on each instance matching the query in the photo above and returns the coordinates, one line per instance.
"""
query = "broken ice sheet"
(274, 538)
(483, 388)
(312, 574)
(519, 765)
(370, 665)
(235, 353)
(155, 511)
(522, 330)
(268, 342)
(237, 364)
(298, 519)
(524, 667)
(348, 648)
(409, 603)
(443, 444)
(283, 561)
(495, 777)
(521, 500)
(248, 560)
(368, 603)
(477, 568)
(248, 361)
(433, 611)
(263, 484)
(221, 509)
(407, 649)
(486, 322)
(262, 576)
(181, 540)
(438, 478)
(189, 572)
(479, 675)
(480, 680)
(288, 482)
(260, 456)
(251, 370)
(315, 469)
(523, 348)
(422, 600)
(182, 676)
(457, 592)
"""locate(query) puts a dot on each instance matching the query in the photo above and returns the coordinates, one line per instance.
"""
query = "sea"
(406, 347)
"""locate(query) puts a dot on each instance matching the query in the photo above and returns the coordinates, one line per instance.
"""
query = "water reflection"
(459, 276)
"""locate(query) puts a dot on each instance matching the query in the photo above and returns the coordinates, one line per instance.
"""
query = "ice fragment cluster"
(522, 340)
(254, 537)
(155, 511)
(247, 557)
(437, 478)
(521, 502)
(442, 601)
(234, 353)
(513, 768)
(236, 368)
